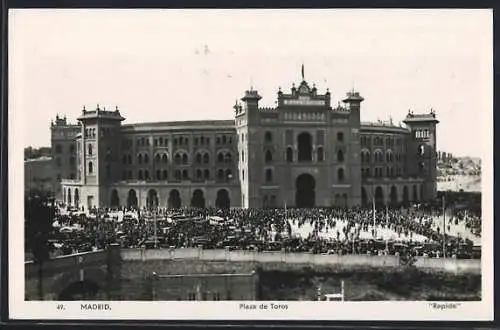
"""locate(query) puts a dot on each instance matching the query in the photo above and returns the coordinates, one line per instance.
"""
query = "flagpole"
(387, 226)
(444, 228)
(154, 215)
(374, 213)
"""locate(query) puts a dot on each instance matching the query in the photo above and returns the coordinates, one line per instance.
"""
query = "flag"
(302, 71)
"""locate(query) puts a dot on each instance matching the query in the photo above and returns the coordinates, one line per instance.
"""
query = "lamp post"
(155, 205)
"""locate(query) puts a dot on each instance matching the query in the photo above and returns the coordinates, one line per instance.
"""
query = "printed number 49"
(60, 307)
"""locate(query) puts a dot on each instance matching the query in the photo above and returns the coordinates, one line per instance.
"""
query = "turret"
(422, 148)
(353, 100)
(99, 152)
(251, 100)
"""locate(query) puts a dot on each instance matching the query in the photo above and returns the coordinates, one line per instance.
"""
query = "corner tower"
(99, 150)
(422, 146)
(246, 123)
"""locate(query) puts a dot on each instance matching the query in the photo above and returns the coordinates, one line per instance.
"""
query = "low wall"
(258, 257)
(61, 263)
(448, 265)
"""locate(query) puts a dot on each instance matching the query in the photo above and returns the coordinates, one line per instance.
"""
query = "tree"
(39, 216)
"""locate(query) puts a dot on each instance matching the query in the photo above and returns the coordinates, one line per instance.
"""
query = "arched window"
(206, 174)
(198, 158)
(139, 159)
(269, 175)
(220, 175)
(199, 174)
(177, 159)
(321, 154)
(242, 155)
(228, 158)
(178, 174)
(91, 167)
(206, 158)
(165, 175)
(340, 156)
(304, 142)
(340, 174)
(129, 159)
(220, 157)
(89, 149)
(139, 175)
(289, 154)
(146, 174)
(184, 159)
(388, 156)
(164, 158)
(223, 139)
(365, 157)
(269, 156)
(158, 175)
(157, 158)
(124, 161)
(229, 174)
(268, 137)
(146, 159)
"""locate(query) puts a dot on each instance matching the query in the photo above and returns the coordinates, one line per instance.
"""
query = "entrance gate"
(305, 191)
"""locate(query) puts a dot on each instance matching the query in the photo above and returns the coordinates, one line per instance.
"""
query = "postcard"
(250, 164)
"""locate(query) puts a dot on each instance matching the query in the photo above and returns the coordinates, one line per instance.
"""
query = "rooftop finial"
(303, 79)
(98, 106)
(83, 108)
(116, 108)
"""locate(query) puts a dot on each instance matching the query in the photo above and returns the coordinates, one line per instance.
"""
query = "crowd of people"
(418, 230)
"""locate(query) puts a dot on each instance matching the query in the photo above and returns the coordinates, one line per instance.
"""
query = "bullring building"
(302, 153)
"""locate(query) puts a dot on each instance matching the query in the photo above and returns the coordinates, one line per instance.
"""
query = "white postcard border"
(124, 310)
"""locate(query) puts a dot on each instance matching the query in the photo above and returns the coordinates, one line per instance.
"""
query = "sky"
(167, 65)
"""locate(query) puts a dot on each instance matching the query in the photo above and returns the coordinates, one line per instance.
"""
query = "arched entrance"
(152, 199)
(198, 200)
(344, 200)
(69, 196)
(114, 201)
(415, 193)
(394, 196)
(77, 197)
(305, 191)
(364, 197)
(222, 201)
(304, 142)
(406, 196)
(174, 199)
(379, 196)
(132, 198)
(83, 290)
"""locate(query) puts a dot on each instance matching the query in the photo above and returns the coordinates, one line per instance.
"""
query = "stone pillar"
(114, 262)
